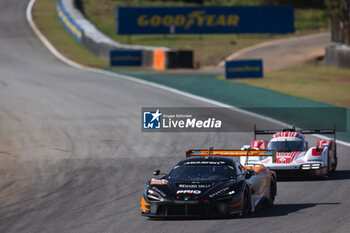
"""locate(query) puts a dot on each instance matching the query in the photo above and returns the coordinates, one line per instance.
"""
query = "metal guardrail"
(101, 45)
(73, 28)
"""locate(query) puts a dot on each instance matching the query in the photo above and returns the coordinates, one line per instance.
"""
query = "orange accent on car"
(257, 169)
(158, 182)
(144, 205)
(235, 206)
(191, 153)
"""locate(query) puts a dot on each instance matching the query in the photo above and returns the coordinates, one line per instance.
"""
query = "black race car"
(210, 183)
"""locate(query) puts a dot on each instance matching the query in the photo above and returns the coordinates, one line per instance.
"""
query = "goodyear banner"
(126, 58)
(72, 27)
(244, 69)
(187, 20)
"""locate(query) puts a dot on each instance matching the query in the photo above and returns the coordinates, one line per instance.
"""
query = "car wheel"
(272, 193)
(246, 203)
(325, 176)
(335, 164)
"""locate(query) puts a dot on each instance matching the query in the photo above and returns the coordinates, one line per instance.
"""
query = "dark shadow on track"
(274, 211)
(285, 209)
(340, 175)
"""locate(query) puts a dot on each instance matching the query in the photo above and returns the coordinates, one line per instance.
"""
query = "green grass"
(46, 19)
(315, 82)
(208, 49)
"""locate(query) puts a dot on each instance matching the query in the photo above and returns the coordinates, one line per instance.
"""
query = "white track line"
(58, 55)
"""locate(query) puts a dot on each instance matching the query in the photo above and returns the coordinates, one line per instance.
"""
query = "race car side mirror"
(249, 174)
(156, 172)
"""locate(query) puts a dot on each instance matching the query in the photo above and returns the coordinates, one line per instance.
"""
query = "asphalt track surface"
(73, 158)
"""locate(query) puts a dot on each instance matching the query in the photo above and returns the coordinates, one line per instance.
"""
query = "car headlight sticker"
(219, 192)
(223, 193)
(153, 195)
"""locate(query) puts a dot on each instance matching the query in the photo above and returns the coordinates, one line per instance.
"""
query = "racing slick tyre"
(335, 164)
(272, 193)
(326, 176)
(246, 203)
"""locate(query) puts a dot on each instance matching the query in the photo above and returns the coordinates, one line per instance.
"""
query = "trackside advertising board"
(126, 58)
(206, 20)
(244, 69)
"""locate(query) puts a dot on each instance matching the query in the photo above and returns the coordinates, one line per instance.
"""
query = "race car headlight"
(231, 192)
(153, 195)
(223, 193)
(228, 193)
(311, 166)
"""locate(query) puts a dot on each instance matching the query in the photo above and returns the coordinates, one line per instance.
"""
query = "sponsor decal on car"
(189, 191)
(205, 163)
(286, 157)
(158, 182)
(194, 185)
(268, 152)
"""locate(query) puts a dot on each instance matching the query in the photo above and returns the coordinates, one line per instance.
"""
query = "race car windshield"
(287, 146)
(200, 173)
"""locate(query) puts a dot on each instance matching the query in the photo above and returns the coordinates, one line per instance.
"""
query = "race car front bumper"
(295, 170)
(192, 209)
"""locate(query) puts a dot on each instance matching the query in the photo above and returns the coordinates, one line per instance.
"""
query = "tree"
(339, 12)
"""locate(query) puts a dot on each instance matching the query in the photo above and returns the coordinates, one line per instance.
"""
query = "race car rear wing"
(231, 153)
(302, 131)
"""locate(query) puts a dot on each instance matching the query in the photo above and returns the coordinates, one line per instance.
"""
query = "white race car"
(294, 156)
